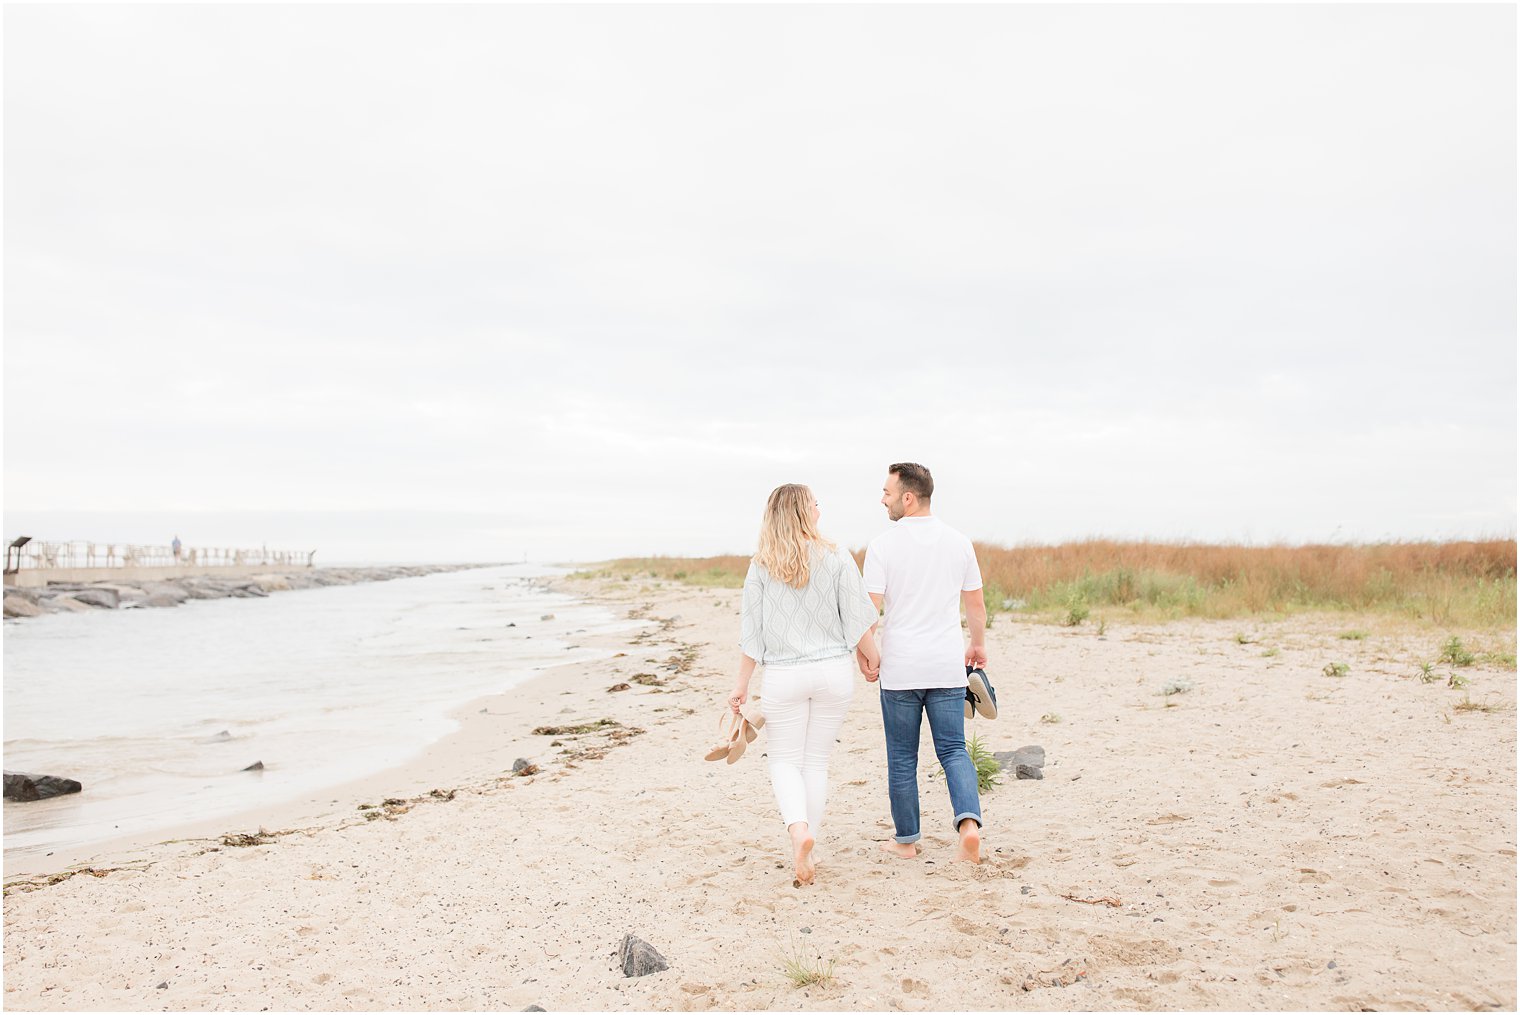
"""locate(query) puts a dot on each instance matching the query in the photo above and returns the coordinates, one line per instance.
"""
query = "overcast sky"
(478, 282)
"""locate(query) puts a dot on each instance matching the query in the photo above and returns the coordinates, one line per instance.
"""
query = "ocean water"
(157, 711)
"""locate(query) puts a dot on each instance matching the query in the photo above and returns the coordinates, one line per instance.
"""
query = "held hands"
(976, 656)
(869, 663)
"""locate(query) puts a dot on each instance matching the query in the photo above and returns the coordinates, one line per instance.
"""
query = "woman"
(805, 615)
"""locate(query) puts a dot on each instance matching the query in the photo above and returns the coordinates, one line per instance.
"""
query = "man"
(923, 572)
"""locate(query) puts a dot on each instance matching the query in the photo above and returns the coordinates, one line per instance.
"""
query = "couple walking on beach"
(811, 619)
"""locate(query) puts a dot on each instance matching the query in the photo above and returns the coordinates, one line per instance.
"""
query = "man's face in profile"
(892, 497)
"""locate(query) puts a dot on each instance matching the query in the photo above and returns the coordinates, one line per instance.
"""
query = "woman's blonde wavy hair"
(788, 535)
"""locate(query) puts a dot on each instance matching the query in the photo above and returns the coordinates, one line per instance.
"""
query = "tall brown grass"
(1470, 583)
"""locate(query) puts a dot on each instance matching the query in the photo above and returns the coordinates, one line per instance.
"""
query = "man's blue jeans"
(902, 715)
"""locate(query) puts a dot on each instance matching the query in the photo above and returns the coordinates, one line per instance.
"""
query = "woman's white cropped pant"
(804, 706)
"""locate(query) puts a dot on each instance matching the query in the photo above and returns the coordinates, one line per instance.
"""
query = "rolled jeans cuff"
(909, 838)
(973, 815)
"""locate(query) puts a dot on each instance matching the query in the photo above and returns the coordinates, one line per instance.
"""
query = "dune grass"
(1467, 584)
(713, 572)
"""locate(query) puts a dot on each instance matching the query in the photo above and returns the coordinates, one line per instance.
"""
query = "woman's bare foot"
(905, 850)
(802, 851)
(971, 841)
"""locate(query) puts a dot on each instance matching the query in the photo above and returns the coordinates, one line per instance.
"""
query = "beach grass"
(726, 572)
(1465, 583)
(806, 969)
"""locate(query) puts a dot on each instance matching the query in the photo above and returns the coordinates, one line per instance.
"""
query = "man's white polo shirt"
(920, 566)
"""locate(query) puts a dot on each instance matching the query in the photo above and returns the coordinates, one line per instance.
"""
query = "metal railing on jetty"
(35, 562)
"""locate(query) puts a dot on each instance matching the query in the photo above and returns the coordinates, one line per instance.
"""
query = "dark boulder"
(639, 958)
(24, 787)
(257, 766)
(1024, 763)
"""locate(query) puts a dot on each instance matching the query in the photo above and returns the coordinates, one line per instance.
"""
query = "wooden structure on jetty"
(32, 564)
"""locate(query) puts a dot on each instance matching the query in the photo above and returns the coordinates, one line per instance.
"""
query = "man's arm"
(976, 621)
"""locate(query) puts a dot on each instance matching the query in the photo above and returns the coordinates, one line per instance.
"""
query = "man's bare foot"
(905, 850)
(971, 841)
(802, 852)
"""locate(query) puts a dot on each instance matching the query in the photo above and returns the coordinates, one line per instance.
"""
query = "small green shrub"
(1428, 674)
(987, 767)
(1336, 669)
(1271, 652)
(1453, 652)
(1352, 636)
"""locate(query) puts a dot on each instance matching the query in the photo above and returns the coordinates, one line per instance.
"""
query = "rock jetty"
(61, 597)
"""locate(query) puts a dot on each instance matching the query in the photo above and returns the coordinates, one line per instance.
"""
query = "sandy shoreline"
(1278, 839)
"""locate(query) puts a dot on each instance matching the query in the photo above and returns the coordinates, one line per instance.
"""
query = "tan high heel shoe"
(729, 726)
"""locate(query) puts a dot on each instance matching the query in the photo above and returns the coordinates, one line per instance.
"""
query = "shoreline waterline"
(392, 670)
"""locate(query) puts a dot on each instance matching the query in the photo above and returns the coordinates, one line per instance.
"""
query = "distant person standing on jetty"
(176, 547)
(805, 615)
(924, 571)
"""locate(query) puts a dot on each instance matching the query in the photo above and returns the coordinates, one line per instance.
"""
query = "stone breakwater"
(61, 597)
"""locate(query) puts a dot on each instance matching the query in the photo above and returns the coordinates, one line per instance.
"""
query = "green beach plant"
(1453, 652)
(987, 767)
(1336, 669)
(1500, 658)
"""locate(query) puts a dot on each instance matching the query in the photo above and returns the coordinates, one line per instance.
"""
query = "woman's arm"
(741, 684)
(751, 635)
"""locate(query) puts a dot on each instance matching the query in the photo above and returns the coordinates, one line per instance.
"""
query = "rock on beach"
(105, 598)
(25, 787)
(639, 958)
(21, 606)
(1024, 763)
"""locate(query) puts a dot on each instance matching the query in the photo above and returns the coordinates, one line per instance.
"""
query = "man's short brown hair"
(913, 477)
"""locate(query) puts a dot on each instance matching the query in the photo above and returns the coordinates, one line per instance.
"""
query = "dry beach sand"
(1277, 838)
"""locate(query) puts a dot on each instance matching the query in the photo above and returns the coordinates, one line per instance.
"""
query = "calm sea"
(157, 711)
